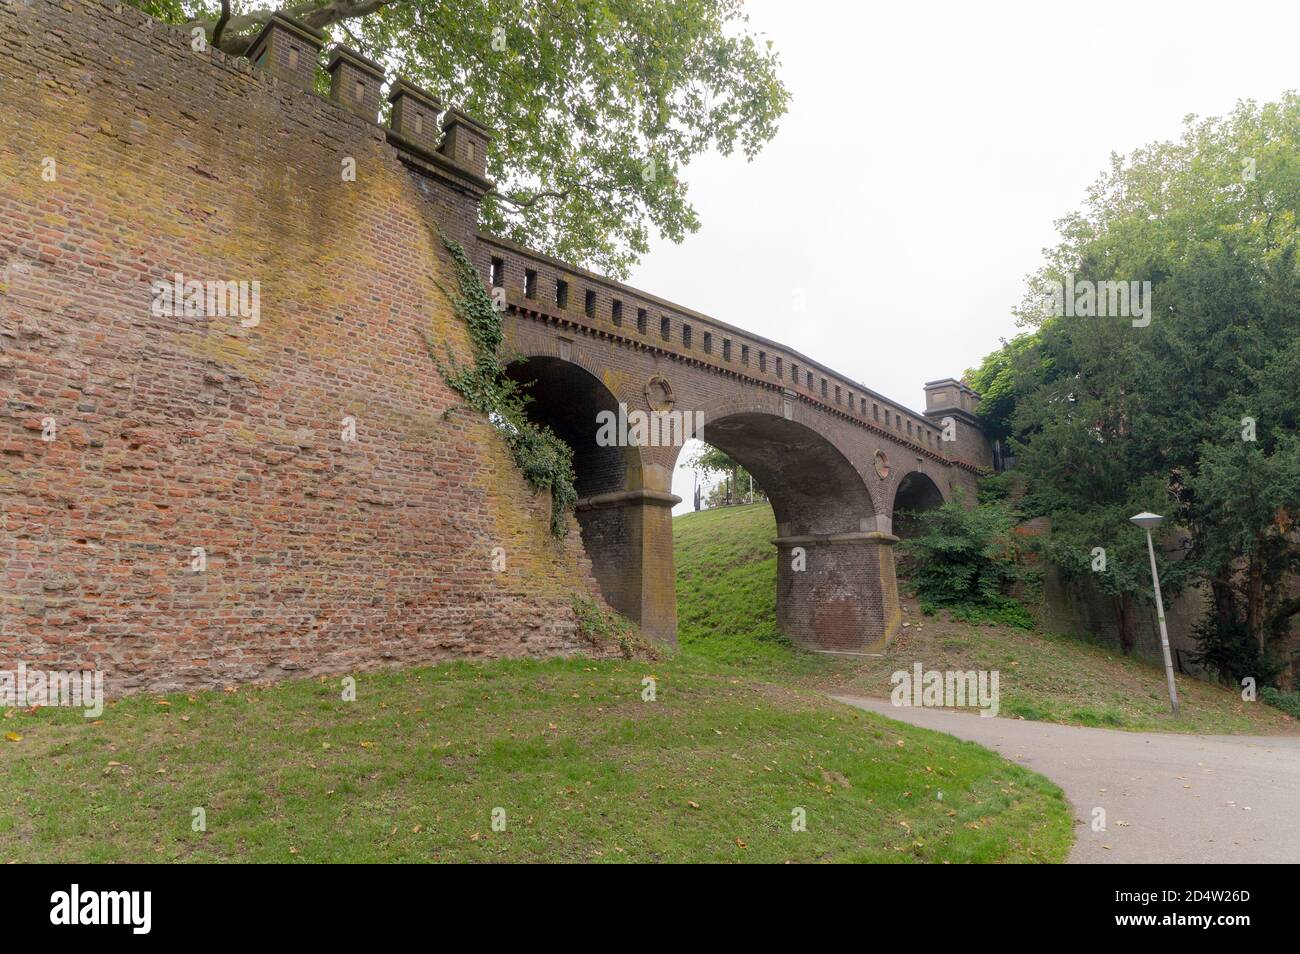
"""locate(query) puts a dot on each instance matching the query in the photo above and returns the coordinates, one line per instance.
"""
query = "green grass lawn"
(727, 605)
(714, 769)
(726, 593)
(739, 740)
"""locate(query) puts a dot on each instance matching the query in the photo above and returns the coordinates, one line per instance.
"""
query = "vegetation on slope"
(727, 604)
(726, 591)
(1183, 402)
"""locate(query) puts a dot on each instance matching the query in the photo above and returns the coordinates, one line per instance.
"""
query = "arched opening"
(813, 488)
(567, 398)
(835, 587)
(916, 494)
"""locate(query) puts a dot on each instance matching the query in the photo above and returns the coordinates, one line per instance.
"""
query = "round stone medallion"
(659, 394)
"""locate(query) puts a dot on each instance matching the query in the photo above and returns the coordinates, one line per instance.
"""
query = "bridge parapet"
(542, 287)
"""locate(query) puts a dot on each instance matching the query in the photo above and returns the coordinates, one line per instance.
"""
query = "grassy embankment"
(726, 595)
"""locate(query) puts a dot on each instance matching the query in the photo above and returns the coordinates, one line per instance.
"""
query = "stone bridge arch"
(835, 571)
(914, 493)
(835, 585)
(626, 526)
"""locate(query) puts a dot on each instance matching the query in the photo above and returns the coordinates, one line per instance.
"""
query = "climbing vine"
(543, 458)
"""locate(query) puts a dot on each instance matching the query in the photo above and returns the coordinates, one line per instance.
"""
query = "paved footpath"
(1168, 798)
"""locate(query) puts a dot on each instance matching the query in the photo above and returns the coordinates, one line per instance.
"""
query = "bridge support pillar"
(837, 592)
(629, 540)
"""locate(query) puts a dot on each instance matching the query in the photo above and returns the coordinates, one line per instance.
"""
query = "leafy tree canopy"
(596, 104)
(709, 460)
(995, 380)
(1193, 414)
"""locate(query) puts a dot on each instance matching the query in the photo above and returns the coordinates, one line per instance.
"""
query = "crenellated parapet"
(445, 145)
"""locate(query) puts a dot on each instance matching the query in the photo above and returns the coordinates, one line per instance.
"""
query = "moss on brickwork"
(542, 457)
(602, 627)
(325, 555)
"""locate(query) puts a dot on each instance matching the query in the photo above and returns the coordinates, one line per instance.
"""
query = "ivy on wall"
(545, 461)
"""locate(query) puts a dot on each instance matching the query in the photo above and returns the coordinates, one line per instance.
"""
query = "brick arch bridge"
(835, 473)
(837, 460)
(834, 456)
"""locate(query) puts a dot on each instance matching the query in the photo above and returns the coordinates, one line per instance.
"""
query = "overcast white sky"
(928, 149)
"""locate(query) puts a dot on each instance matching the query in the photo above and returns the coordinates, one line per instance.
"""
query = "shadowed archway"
(916, 494)
(622, 523)
(835, 575)
(567, 398)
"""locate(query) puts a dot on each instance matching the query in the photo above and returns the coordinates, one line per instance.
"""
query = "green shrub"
(963, 557)
(1287, 701)
(1226, 647)
(1002, 610)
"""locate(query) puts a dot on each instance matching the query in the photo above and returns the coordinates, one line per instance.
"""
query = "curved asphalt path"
(1168, 798)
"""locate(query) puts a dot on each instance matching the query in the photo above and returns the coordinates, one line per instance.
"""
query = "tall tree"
(597, 104)
(1193, 412)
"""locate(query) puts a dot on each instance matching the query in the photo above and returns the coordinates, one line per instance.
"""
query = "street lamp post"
(1148, 521)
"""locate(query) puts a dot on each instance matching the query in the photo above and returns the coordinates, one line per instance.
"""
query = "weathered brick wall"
(175, 433)
(325, 555)
(845, 597)
(1078, 607)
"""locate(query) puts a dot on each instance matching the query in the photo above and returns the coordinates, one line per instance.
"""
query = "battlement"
(443, 141)
(948, 396)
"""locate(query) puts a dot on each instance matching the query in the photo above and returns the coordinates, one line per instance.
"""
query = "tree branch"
(222, 20)
(237, 33)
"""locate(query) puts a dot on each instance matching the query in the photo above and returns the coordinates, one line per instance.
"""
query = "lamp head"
(1147, 521)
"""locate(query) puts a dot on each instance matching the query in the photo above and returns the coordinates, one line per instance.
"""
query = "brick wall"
(323, 556)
